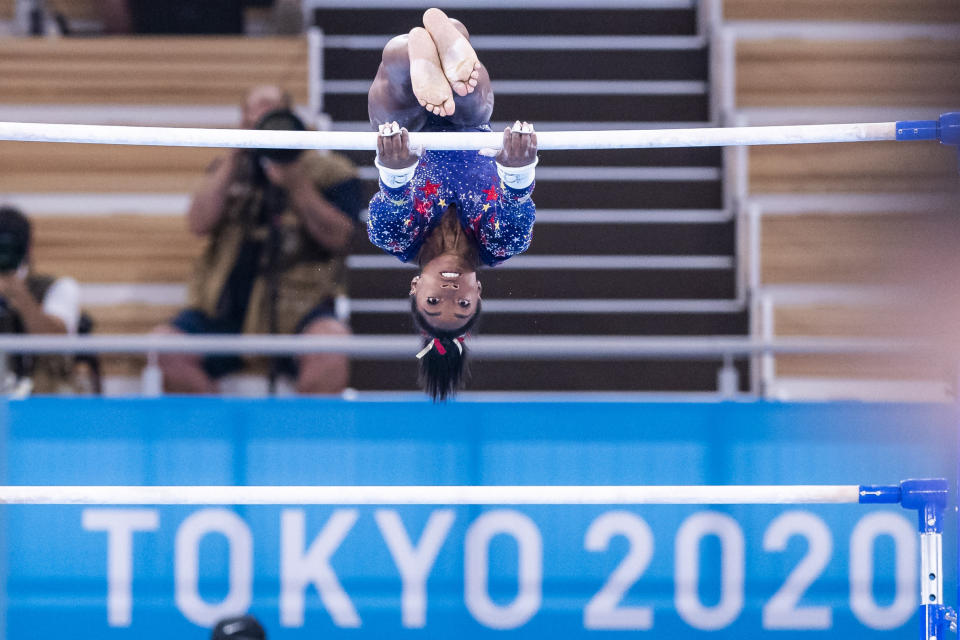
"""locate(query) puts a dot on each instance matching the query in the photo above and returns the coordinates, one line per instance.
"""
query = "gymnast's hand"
(519, 145)
(393, 147)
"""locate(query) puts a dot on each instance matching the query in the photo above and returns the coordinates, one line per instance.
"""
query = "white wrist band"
(395, 178)
(517, 177)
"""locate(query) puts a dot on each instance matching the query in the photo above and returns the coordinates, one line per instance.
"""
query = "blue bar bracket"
(946, 129)
(929, 498)
(935, 621)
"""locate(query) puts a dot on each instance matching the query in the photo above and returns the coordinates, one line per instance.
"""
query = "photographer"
(279, 223)
(34, 303)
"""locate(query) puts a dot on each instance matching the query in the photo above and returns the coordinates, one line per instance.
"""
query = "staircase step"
(535, 107)
(546, 375)
(677, 157)
(351, 64)
(523, 21)
(647, 324)
(617, 239)
(554, 283)
(609, 195)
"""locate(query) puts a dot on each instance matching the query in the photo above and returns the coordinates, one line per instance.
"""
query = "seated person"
(449, 211)
(279, 224)
(31, 302)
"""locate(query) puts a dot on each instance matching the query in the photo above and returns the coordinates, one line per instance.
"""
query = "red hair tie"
(436, 344)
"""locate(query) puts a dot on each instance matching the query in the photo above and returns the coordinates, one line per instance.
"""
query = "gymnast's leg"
(410, 82)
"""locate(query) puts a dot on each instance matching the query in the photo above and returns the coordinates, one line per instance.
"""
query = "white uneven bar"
(367, 140)
(431, 495)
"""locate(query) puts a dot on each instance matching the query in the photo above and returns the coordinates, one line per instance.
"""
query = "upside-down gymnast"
(451, 211)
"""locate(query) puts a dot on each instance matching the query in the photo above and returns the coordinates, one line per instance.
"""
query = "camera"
(13, 250)
(280, 120)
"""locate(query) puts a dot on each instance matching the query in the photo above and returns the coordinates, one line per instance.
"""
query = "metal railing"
(499, 347)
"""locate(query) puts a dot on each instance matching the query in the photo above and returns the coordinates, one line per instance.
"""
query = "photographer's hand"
(287, 176)
(209, 202)
(14, 290)
(329, 226)
(35, 320)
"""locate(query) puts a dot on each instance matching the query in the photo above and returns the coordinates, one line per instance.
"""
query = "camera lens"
(12, 251)
(280, 120)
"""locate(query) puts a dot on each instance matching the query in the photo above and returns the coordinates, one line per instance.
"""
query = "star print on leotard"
(497, 218)
(422, 206)
(429, 188)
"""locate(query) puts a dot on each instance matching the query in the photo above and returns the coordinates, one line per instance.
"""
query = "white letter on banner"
(476, 566)
(414, 563)
(186, 568)
(687, 570)
(299, 569)
(120, 525)
(862, 543)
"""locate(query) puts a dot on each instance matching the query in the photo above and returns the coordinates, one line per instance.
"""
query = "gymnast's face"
(446, 292)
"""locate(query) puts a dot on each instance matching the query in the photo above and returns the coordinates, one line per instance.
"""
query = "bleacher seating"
(866, 69)
(163, 78)
(165, 75)
(152, 72)
(581, 189)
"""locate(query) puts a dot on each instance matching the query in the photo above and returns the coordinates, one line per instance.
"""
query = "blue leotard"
(497, 218)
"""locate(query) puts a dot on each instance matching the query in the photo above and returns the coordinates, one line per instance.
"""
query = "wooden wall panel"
(54, 167)
(116, 248)
(933, 11)
(795, 73)
(149, 70)
(857, 167)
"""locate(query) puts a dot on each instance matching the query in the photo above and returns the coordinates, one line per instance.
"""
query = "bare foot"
(458, 59)
(430, 86)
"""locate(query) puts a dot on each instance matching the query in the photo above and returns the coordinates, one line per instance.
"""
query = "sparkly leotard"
(497, 218)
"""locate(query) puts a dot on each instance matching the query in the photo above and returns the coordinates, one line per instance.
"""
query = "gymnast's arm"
(209, 202)
(508, 229)
(392, 208)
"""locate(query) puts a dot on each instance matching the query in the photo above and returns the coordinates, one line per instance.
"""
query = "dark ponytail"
(443, 366)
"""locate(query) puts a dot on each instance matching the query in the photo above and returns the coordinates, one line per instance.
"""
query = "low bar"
(430, 495)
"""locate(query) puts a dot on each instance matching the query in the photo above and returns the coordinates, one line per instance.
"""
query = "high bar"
(367, 140)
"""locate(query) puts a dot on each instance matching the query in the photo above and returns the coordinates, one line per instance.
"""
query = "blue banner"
(804, 571)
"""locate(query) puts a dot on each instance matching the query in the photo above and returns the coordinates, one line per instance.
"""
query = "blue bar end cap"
(920, 129)
(879, 494)
(946, 129)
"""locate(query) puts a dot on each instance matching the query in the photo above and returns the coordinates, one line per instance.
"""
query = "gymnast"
(451, 211)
